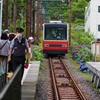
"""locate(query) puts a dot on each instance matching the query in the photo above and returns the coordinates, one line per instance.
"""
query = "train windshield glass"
(58, 32)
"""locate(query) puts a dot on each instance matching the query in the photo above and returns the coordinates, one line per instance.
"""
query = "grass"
(85, 75)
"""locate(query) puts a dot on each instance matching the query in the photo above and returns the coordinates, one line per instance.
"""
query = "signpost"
(1, 3)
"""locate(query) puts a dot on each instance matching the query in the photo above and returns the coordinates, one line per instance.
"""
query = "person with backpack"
(19, 47)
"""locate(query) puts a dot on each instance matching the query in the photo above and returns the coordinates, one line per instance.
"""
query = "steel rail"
(63, 84)
(73, 80)
(54, 81)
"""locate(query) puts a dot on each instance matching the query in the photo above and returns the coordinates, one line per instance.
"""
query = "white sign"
(79, 27)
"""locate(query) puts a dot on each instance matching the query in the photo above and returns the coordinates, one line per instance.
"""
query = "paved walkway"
(29, 81)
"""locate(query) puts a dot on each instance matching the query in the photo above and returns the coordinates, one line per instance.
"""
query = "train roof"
(54, 24)
(53, 21)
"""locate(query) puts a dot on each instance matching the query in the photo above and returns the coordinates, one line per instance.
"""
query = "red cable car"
(55, 38)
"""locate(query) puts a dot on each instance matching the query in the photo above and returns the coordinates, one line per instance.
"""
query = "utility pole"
(34, 21)
(37, 18)
(70, 22)
(6, 15)
(28, 18)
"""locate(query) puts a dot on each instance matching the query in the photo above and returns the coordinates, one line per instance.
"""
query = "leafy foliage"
(62, 9)
(37, 55)
(54, 10)
(98, 58)
(81, 42)
(21, 11)
(81, 37)
(78, 10)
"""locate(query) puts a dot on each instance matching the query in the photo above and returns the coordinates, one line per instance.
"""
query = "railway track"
(63, 85)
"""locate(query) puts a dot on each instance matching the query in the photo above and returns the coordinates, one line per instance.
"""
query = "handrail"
(12, 90)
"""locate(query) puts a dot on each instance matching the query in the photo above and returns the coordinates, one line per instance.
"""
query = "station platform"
(29, 81)
(95, 68)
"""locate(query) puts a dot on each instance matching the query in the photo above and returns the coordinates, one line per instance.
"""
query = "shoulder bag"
(3, 45)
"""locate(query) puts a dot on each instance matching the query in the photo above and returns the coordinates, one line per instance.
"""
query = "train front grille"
(55, 45)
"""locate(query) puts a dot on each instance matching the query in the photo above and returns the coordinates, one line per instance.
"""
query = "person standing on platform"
(4, 52)
(11, 37)
(19, 46)
(7, 32)
(30, 42)
(10, 65)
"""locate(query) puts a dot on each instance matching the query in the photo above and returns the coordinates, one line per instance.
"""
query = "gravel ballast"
(84, 84)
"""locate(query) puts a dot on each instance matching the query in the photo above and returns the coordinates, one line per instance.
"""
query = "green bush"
(37, 55)
(81, 44)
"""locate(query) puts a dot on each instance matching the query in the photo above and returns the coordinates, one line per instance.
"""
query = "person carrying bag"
(20, 47)
(4, 52)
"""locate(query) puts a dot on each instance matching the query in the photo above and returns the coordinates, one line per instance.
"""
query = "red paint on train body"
(55, 38)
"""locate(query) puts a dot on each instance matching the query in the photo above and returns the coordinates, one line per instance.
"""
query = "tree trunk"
(6, 15)
(28, 18)
(15, 13)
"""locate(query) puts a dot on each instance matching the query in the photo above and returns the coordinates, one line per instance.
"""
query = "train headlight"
(46, 45)
(64, 45)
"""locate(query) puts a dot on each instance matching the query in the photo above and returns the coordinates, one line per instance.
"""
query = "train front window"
(55, 33)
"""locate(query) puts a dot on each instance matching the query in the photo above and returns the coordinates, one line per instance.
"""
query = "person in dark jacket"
(19, 46)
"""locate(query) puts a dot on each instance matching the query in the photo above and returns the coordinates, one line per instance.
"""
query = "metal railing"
(3, 72)
(12, 89)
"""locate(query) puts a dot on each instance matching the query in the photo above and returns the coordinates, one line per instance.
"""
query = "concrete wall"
(92, 18)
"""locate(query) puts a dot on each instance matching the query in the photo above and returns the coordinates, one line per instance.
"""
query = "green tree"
(78, 11)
